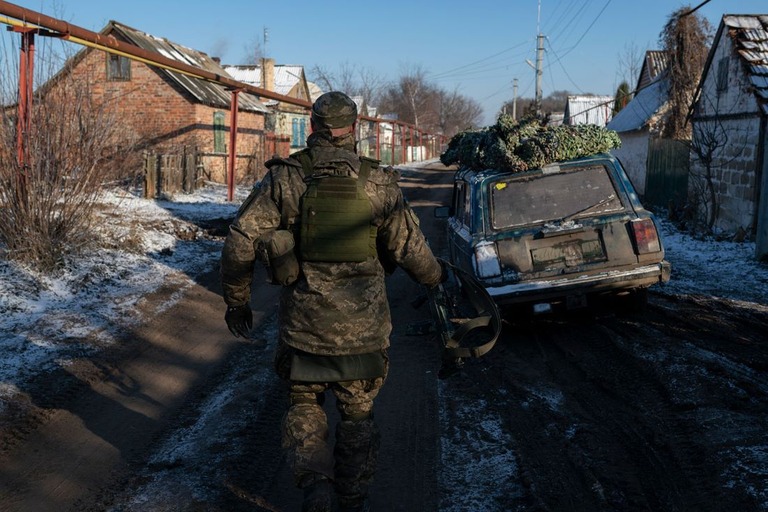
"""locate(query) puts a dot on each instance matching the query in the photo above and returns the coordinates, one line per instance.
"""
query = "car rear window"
(540, 198)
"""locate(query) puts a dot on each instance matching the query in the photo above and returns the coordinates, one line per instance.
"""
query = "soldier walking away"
(330, 225)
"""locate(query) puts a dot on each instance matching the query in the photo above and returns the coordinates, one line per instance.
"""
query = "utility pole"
(514, 99)
(539, 70)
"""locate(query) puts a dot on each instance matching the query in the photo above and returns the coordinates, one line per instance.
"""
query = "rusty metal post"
(26, 80)
(402, 136)
(378, 140)
(232, 145)
(395, 134)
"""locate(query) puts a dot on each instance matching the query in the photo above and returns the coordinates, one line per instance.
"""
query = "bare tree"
(49, 196)
(457, 113)
(685, 38)
(630, 61)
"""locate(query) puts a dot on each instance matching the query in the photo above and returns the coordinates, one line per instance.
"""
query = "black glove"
(239, 320)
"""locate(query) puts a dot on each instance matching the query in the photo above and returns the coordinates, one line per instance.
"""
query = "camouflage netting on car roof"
(517, 147)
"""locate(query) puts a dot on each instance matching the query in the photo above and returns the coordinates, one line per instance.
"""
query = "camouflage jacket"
(333, 308)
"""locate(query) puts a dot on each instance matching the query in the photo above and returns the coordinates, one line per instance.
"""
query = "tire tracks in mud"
(596, 421)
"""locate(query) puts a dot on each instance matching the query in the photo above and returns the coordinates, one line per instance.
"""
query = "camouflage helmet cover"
(334, 110)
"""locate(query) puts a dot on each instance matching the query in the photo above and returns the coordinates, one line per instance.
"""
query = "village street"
(601, 410)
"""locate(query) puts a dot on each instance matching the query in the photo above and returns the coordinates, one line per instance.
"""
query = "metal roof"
(654, 63)
(588, 109)
(204, 91)
(286, 76)
(749, 34)
(646, 104)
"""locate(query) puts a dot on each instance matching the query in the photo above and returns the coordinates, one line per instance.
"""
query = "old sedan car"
(555, 237)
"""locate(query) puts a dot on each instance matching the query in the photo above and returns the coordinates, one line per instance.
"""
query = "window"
(461, 203)
(519, 201)
(722, 75)
(118, 67)
(298, 132)
(219, 133)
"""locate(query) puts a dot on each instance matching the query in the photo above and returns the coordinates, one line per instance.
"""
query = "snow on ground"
(46, 321)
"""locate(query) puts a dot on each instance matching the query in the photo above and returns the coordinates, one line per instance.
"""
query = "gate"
(167, 174)
(667, 179)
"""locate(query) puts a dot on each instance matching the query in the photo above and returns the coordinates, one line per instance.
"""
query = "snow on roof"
(286, 76)
(643, 107)
(749, 33)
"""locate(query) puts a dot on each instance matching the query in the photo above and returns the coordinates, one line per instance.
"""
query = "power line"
(449, 72)
(588, 28)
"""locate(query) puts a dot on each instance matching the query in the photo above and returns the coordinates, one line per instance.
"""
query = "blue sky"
(477, 48)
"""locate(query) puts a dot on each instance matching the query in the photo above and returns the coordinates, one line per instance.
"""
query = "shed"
(636, 124)
(729, 131)
(588, 109)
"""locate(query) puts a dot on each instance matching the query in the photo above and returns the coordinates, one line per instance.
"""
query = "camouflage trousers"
(305, 438)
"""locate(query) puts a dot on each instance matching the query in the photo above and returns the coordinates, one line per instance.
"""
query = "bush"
(46, 208)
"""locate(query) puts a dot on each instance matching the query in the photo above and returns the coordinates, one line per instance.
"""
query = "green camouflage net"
(526, 145)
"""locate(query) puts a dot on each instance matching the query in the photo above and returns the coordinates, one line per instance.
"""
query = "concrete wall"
(727, 122)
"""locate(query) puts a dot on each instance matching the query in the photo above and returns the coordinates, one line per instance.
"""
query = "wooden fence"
(167, 174)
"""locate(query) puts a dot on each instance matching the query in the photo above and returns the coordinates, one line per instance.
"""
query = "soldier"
(330, 225)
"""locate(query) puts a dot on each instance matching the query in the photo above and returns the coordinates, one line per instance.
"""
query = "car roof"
(473, 175)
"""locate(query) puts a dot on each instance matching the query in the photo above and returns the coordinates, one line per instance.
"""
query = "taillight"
(646, 237)
(487, 260)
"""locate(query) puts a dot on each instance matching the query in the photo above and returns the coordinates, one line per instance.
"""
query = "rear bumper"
(542, 290)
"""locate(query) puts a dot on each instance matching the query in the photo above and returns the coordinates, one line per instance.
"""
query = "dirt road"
(596, 411)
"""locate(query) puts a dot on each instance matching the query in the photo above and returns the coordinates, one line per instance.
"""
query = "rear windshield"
(565, 195)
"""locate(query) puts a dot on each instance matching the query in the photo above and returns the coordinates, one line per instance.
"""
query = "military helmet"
(334, 110)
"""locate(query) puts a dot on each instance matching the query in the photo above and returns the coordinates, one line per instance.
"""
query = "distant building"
(588, 109)
(287, 80)
(167, 111)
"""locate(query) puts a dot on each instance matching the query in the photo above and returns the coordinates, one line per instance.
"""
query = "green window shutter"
(218, 133)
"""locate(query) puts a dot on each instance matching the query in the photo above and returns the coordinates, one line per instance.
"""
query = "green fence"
(667, 180)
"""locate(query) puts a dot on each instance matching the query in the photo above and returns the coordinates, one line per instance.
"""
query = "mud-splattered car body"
(554, 236)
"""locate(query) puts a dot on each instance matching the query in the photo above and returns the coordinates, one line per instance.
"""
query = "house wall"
(730, 119)
(733, 172)
(633, 155)
(164, 118)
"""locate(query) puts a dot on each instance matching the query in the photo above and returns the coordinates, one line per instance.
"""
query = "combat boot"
(318, 495)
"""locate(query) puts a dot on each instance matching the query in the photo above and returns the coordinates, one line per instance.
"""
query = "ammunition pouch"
(280, 256)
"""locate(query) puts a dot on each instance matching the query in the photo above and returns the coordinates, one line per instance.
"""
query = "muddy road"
(600, 410)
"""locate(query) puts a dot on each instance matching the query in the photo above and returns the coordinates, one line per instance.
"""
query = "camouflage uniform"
(333, 309)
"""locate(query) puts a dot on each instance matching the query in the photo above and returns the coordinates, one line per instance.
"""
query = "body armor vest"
(336, 217)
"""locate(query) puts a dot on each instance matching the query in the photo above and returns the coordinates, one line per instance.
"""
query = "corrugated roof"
(588, 109)
(204, 91)
(654, 63)
(749, 33)
(286, 76)
(644, 106)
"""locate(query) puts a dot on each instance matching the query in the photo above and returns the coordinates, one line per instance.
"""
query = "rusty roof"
(749, 33)
(203, 91)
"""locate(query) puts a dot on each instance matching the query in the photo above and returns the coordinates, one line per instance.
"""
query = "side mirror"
(442, 212)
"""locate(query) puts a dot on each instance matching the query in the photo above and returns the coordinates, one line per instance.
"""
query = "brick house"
(729, 168)
(168, 111)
